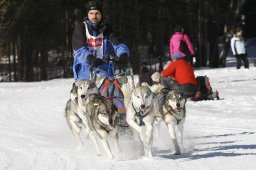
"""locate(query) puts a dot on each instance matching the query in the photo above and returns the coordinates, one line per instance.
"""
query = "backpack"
(184, 47)
(205, 88)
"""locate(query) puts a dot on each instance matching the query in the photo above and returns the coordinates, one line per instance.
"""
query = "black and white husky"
(172, 108)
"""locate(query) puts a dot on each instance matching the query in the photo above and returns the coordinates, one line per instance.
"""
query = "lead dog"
(172, 108)
(97, 114)
(140, 113)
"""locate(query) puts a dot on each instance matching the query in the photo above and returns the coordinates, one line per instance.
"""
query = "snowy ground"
(219, 135)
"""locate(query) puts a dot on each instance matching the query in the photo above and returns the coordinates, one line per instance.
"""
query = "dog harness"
(96, 113)
(112, 90)
(140, 115)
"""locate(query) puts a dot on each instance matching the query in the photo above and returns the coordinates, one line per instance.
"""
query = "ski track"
(218, 134)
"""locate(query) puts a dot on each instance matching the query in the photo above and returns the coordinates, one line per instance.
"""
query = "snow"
(218, 134)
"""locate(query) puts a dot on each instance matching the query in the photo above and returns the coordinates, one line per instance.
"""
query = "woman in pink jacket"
(175, 44)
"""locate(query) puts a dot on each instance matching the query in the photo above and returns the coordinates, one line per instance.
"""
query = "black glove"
(123, 59)
(97, 62)
(90, 58)
(94, 61)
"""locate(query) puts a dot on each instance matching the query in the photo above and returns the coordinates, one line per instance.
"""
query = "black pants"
(239, 59)
(189, 59)
(188, 89)
(169, 83)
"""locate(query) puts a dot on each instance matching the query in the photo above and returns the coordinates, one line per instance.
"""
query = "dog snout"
(142, 106)
(178, 104)
(82, 96)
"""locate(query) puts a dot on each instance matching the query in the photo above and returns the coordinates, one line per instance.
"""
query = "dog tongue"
(84, 101)
(142, 111)
(178, 109)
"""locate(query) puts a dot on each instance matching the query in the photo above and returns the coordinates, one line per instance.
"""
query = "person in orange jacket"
(179, 75)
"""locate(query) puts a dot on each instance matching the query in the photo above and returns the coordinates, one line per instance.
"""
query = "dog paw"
(99, 154)
(148, 140)
(176, 153)
(150, 155)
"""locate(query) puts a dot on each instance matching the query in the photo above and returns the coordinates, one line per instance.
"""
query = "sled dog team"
(87, 109)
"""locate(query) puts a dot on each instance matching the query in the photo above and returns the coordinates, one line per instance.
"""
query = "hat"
(177, 56)
(94, 5)
(156, 76)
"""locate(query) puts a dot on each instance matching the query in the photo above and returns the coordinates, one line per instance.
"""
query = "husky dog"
(172, 109)
(97, 114)
(71, 114)
(140, 112)
(102, 115)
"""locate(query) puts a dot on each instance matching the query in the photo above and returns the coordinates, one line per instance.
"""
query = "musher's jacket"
(97, 40)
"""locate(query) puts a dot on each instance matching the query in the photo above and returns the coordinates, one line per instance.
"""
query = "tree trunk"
(28, 52)
(21, 52)
(9, 61)
(14, 60)
(43, 64)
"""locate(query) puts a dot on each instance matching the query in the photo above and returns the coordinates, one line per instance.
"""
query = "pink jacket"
(175, 44)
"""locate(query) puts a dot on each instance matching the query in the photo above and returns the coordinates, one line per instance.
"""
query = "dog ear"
(182, 94)
(77, 83)
(122, 80)
(138, 85)
(74, 85)
(92, 84)
(165, 91)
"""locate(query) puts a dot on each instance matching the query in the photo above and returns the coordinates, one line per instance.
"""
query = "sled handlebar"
(111, 58)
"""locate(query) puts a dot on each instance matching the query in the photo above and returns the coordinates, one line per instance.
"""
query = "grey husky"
(172, 109)
(97, 114)
(140, 114)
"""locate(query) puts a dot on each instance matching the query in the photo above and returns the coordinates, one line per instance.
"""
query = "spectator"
(175, 42)
(179, 75)
(239, 49)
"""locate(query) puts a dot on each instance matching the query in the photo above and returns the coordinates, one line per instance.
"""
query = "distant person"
(179, 75)
(175, 43)
(239, 49)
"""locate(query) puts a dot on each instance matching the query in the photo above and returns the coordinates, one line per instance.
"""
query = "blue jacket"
(79, 43)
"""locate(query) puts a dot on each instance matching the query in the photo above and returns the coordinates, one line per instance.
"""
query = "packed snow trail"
(218, 134)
